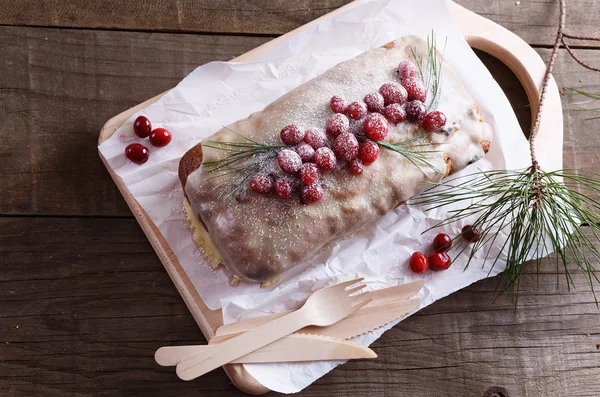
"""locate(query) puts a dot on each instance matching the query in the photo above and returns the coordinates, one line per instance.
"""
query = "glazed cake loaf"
(259, 236)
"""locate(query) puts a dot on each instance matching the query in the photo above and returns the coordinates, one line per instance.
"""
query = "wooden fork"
(324, 307)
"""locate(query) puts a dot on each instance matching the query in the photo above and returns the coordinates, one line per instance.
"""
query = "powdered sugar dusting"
(345, 146)
(261, 236)
(289, 161)
(305, 151)
(337, 124)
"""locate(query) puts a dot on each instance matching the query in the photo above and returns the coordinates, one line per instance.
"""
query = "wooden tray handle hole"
(512, 87)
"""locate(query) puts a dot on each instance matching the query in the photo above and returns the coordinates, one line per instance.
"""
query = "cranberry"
(289, 161)
(415, 110)
(418, 262)
(433, 121)
(345, 146)
(470, 234)
(337, 124)
(368, 152)
(408, 69)
(442, 242)
(356, 110)
(160, 137)
(305, 151)
(137, 153)
(291, 135)
(356, 167)
(439, 261)
(393, 93)
(315, 138)
(283, 188)
(309, 173)
(374, 101)
(311, 194)
(261, 183)
(337, 104)
(416, 89)
(376, 127)
(142, 127)
(395, 113)
(325, 159)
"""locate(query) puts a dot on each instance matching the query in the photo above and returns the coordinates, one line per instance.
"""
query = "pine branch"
(539, 212)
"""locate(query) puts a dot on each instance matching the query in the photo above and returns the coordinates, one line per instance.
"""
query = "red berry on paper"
(316, 138)
(439, 261)
(137, 153)
(418, 262)
(291, 135)
(309, 173)
(433, 121)
(325, 159)
(283, 188)
(160, 137)
(345, 146)
(337, 124)
(442, 242)
(415, 110)
(374, 102)
(305, 151)
(311, 194)
(142, 127)
(393, 93)
(395, 113)
(415, 89)
(408, 69)
(261, 183)
(356, 167)
(376, 127)
(337, 104)
(356, 110)
(470, 234)
(368, 152)
(289, 161)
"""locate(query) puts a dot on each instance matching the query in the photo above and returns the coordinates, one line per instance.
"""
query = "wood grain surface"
(84, 301)
(534, 21)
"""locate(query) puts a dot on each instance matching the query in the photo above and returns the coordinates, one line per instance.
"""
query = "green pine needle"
(430, 69)
(244, 159)
(540, 213)
(408, 149)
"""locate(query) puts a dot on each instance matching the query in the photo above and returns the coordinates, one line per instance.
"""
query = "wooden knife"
(310, 343)
(388, 305)
(292, 348)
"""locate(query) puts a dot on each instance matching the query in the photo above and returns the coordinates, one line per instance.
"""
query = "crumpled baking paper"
(219, 93)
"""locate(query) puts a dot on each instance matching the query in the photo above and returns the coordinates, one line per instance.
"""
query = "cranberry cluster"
(350, 135)
(158, 137)
(439, 259)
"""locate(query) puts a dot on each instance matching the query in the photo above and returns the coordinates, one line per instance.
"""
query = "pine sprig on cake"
(430, 69)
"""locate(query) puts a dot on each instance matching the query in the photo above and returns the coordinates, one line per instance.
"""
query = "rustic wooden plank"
(581, 144)
(534, 21)
(57, 89)
(84, 303)
(240, 16)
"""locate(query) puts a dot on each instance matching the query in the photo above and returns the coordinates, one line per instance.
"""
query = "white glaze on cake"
(262, 236)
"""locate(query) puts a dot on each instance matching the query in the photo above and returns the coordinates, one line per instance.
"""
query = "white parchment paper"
(219, 93)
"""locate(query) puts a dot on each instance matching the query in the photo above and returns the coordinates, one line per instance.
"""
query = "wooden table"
(84, 301)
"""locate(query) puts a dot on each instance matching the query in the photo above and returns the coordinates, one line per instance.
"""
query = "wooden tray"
(479, 32)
